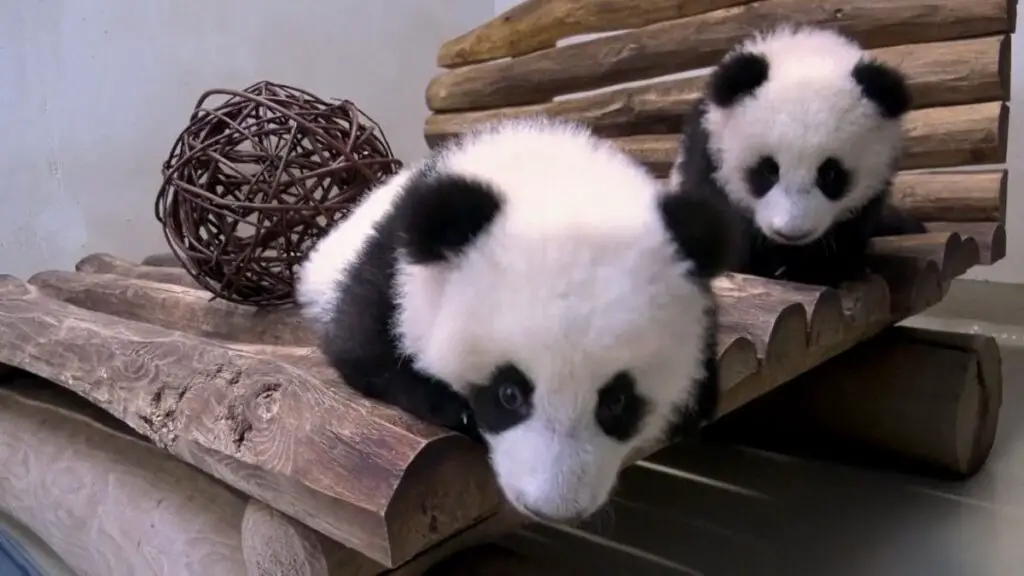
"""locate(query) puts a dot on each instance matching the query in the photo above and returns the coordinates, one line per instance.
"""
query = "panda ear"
(440, 215)
(883, 85)
(738, 75)
(705, 230)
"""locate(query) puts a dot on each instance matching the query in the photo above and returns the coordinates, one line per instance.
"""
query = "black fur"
(884, 86)
(441, 214)
(705, 230)
(737, 77)
(359, 342)
(620, 409)
(361, 346)
(703, 407)
(493, 414)
(831, 260)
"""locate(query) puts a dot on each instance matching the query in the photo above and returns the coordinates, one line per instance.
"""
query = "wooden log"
(538, 24)
(368, 476)
(105, 502)
(935, 138)
(110, 264)
(175, 307)
(163, 259)
(924, 264)
(990, 237)
(699, 41)
(274, 545)
(925, 398)
(939, 74)
(963, 196)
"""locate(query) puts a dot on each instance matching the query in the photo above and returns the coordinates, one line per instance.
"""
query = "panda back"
(330, 262)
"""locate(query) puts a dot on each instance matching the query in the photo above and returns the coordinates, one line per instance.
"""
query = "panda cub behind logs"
(532, 285)
(800, 130)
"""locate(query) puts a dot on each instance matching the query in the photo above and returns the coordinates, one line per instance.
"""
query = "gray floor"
(737, 512)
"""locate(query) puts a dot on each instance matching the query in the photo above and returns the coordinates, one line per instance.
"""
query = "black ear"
(439, 215)
(883, 85)
(705, 229)
(737, 76)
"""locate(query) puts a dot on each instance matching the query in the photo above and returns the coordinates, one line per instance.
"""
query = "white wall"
(93, 93)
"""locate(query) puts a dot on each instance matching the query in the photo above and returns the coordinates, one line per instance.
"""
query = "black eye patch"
(505, 401)
(762, 176)
(833, 179)
(620, 409)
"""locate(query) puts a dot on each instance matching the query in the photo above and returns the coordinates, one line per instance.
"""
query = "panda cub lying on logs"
(531, 285)
(800, 130)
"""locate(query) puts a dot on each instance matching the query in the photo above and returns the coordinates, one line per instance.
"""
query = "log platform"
(328, 482)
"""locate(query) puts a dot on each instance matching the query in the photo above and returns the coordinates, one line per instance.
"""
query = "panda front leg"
(402, 386)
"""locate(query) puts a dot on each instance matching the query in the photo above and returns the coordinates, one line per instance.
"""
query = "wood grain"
(110, 264)
(939, 74)
(990, 236)
(961, 196)
(361, 473)
(107, 503)
(935, 138)
(275, 422)
(175, 307)
(538, 24)
(934, 405)
(699, 41)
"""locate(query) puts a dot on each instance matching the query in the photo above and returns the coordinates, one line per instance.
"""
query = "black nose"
(564, 520)
(793, 237)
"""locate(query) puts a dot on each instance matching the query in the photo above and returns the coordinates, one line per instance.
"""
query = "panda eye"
(510, 396)
(620, 409)
(613, 404)
(769, 167)
(832, 178)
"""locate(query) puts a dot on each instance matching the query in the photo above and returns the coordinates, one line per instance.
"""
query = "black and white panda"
(800, 130)
(531, 285)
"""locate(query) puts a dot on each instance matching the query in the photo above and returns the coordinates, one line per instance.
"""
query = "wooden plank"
(699, 41)
(935, 138)
(939, 74)
(962, 196)
(362, 473)
(539, 24)
(175, 307)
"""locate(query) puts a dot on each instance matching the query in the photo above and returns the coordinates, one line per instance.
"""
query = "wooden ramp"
(244, 395)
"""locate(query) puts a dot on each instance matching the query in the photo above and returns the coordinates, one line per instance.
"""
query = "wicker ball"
(252, 183)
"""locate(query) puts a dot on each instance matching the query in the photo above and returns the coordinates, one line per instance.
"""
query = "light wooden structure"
(327, 482)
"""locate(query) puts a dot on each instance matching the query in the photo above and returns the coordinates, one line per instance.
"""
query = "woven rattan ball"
(253, 182)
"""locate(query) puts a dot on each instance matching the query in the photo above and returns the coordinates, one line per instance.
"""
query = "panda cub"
(532, 286)
(800, 130)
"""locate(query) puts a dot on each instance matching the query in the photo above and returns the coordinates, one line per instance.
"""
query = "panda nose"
(569, 520)
(791, 237)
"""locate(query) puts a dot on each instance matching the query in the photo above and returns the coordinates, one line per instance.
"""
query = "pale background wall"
(93, 93)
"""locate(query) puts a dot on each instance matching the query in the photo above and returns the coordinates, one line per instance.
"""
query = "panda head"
(805, 129)
(543, 275)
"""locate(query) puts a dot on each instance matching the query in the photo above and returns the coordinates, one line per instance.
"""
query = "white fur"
(810, 108)
(328, 262)
(574, 281)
